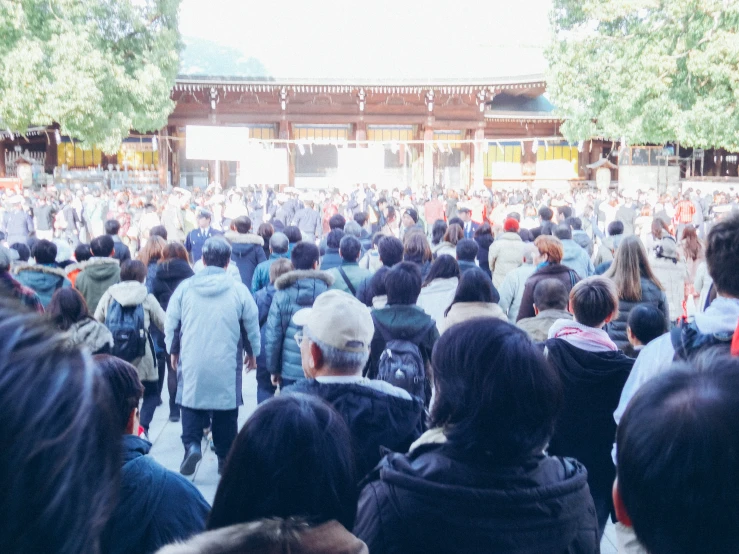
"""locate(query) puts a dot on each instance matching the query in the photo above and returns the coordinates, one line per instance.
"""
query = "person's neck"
(330, 372)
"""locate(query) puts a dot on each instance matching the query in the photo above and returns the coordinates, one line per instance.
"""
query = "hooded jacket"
(44, 279)
(133, 293)
(295, 290)
(576, 258)
(401, 321)
(435, 501)
(273, 536)
(464, 311)
(377, 419)
(98, 276)
(247, 253)
(484, 242)
(212, 309)
(167, 278)
(505, 255)
(650, 294)
(155, 506)
(592, 382)
(74, 269)
(91, 334)
(260, 279)
(354, 273)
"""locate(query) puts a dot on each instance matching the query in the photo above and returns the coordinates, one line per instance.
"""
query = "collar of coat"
(101, 261)
(42, 269)
(243, 238)
(289, 279)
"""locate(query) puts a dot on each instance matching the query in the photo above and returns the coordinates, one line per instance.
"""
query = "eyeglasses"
(299, 339)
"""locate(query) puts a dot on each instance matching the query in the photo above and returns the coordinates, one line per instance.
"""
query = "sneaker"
(190, 462)
(174, 418)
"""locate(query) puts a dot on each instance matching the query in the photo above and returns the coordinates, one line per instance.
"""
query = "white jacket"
(505, 255)
(673, 277)
(436, 297)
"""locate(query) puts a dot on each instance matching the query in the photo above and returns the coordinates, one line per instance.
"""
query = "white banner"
(216, 143)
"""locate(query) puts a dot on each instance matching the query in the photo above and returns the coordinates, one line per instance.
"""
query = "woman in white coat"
(439, 288)
(506, 253)
(672, 272)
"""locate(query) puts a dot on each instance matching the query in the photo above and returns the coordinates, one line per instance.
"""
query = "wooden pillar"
(428, 158)
(2, 159)
(51, 157)
(175, 156)
(360, 133)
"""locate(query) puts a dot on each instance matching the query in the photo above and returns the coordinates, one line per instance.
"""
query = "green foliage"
(652, 71)
(99, 68)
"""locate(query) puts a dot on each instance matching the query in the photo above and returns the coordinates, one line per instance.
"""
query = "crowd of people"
(435, 372)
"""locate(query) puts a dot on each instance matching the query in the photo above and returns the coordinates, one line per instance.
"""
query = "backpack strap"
(347, 281)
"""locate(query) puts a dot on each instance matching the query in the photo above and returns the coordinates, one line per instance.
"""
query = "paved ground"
(168, 451)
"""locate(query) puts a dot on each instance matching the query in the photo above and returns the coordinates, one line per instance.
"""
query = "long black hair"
(475, 286)
(293, 458)
(445, 267)
(67, 307)
(438, 231)
(60, 459)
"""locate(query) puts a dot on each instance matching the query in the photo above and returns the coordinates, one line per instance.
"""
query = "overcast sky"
(385, 38)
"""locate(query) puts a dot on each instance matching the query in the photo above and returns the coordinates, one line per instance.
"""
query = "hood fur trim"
(75, 266)
(101, 261)
(289, 279)
(42, 269)
(243, 238)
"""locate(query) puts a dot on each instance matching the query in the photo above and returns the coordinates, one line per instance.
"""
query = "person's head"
(60, 463)
(474, 286)
(361, 218)
(467, 250)
(278, 268)
(390, 214)
(305, 256)
(24, 253)
(594, 301)
(678, 460)
(82, 252)
(204, 217)
(416, 248)
(241, 224)
(102, 246)
(483, 230)
(279, 243)
(550, 294)
(496, 396)
(293, 234)
(266, 231)
(126, 389)
(575, 223)
(563, 232)
(333, 240)
(456, 221)
(615, 228)
(691, 243)
(153, 250)
(158, 231)
(133, 270)
(309, 473)
(353, 229)
(445, 267)
(336, 335)
(403, 284)
(549, 249)
(174, 251)
(437, 231)
(722, 256)
(630, 265)
(511, 225)
(645, 324)
(112, 227)
(350, 249)
(563, 213)
(67, 307)
(216, 252)
(390, 250)
(336, 222)
(410, 218)
(44, 252)
(465, 214)
(545, 214)
(454, 234)
(659, 228)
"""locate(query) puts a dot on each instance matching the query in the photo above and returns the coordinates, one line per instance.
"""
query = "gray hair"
(279, 243)
(339, 360)
(353, 229)
(216, 252)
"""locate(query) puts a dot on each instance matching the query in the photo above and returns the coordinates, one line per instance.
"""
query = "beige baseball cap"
(339, 320)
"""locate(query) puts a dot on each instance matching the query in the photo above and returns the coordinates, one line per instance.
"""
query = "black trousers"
(224, 426)
(151, 399)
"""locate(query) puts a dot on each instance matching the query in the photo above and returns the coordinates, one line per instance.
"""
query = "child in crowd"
(645, 324)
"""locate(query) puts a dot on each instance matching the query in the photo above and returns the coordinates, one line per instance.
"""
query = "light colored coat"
(703, 282)
(211, 307)
(444, 248)
(577, 259)
(89, 333)
(511, 292)
(538, 327)
(505, 255)
(673, 277)
(132, 293)
(436, 297)
(464, 311)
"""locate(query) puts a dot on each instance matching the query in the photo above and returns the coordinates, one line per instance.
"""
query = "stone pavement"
(167, 450)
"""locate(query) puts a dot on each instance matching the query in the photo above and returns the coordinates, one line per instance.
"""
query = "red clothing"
(433, 210)
(329, 210)
(684, 212)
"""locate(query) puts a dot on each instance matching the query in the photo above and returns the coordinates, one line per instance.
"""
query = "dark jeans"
(151, 399)
(174, 409)
(265, 390)
(224, 426)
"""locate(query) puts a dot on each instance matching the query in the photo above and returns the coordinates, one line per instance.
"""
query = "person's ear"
(132, 423)
(570, 308)
(316, 356)
(618, 505)
(536, 310)
(629, 334)
(316, 264)
(610, 317)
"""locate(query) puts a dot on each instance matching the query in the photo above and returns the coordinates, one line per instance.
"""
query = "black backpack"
(401, 363)
(127, 325)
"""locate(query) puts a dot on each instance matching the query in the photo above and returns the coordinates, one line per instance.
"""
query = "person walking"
(197, 237)
(246, 248)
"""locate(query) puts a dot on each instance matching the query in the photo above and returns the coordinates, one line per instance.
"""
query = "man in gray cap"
(334, 348)
(10, 288)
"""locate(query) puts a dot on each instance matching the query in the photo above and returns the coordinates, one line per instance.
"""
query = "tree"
(651, 71)
(98, 68)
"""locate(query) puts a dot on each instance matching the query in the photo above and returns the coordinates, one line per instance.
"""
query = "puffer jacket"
(44, 279)
(331, 259)
(132, 293)
(434, 500)
(295, 290)
(260, 279)
(650, 294)
(247, 253)
(505, 255)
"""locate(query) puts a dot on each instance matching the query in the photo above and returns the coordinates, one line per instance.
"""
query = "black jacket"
(586, 429)
(168, 276)
(650, 294)
(247, 253)
(484, 242)
(121, 252)
(433, 501)
(376, 419)
(155, 506)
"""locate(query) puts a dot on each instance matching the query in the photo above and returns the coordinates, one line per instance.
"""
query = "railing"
(11, 161)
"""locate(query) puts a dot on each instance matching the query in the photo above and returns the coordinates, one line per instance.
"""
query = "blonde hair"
(153, 250)
(551, 246)
(630, 264)
(278, 268)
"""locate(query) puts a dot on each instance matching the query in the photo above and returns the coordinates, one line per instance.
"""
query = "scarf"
(582, 336)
